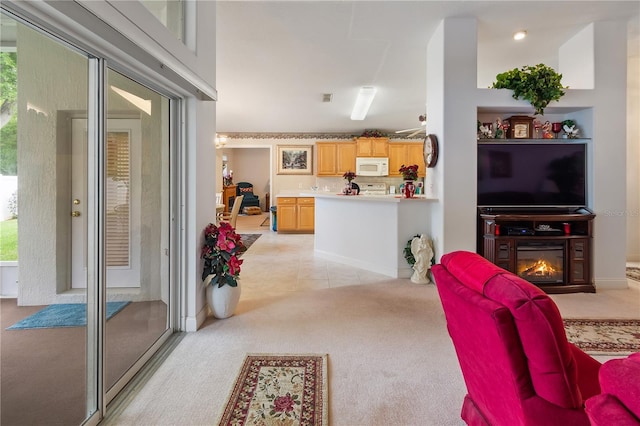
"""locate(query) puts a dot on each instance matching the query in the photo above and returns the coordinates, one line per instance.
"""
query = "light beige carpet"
(279, 389)
(392, 361)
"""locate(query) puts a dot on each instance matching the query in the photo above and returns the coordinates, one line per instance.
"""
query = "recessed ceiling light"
(519, 35)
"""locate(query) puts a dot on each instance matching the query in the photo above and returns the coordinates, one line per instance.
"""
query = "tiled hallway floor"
(278, 264)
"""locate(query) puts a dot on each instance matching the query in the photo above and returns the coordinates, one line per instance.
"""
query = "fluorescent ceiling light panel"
(363, 102)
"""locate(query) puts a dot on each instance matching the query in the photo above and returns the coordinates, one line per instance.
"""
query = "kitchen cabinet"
(406, 153)
(296, 215)
(372, 147)
(335, 158)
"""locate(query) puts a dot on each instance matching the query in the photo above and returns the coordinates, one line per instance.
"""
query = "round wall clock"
(430, 150)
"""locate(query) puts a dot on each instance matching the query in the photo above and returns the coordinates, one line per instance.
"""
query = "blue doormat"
(63, 315)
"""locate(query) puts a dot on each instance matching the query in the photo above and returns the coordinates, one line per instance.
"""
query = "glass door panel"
(44, 351)
(137, 222)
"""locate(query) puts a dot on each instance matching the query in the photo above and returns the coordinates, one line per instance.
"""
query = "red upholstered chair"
(517, 364)
(619, 402)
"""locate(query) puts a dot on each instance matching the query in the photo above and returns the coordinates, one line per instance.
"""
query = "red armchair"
(619, 402)
(517, 364)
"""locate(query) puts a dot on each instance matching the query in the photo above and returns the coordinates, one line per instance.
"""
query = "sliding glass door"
(136, 221)
(44, 359)
(85, 228)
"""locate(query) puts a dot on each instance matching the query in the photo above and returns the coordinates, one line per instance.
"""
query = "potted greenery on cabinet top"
(538, 84)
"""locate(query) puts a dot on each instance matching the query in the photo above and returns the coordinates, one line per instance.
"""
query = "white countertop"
(391, 198)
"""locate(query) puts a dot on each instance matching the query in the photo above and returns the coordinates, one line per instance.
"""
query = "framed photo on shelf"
(521, 127)
(295, 159)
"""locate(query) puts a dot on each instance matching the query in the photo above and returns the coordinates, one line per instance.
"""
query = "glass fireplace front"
(541, 262)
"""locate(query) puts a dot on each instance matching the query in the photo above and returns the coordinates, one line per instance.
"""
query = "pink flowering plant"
(409, 172)
(222, 246)
(349, 176)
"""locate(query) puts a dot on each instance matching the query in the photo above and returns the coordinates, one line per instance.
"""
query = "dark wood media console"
(549, 247)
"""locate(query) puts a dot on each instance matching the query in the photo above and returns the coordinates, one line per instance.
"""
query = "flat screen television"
(532, 174)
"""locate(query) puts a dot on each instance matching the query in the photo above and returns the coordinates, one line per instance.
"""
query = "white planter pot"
(223, 300)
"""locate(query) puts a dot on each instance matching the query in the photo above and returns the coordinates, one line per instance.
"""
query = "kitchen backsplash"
(335, 184)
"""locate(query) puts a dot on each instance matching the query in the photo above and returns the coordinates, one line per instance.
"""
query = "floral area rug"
(604, 336)
(272, 389)
(248, 239)
(633, 273)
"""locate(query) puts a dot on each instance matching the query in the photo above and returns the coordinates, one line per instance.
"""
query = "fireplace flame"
(540, 268)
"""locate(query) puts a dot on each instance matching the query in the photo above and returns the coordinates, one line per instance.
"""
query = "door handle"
(75, 213)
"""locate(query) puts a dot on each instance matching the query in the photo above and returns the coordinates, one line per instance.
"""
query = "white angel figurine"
(571, 132)
(422, 253)
(485, 132)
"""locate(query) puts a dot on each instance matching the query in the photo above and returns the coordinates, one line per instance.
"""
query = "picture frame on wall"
(295, 159)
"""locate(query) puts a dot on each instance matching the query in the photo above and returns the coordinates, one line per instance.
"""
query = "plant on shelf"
(538, 84)
(409, 172)
(349, 176)
(222, 246)
(372, 134)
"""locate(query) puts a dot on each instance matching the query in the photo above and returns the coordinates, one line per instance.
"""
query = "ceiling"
(275, 60)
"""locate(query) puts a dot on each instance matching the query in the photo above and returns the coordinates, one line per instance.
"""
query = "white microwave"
(372, 166)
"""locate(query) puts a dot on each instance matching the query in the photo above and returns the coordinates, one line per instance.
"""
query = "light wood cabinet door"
(397, 157)
(406, 153)
(335, 158)
(327, 158)
(296, 214)
(380, 147)
(286, 217)
(372, 147)
(306, 214)
(345, 157)
(415, 156)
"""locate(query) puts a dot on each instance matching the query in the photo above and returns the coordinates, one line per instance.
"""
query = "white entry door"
(123, 194)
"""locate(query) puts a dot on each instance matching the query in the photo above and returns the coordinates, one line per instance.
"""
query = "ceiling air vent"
(326, 97)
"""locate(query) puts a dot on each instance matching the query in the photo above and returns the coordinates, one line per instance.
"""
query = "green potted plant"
(538, 84)
(220, 251)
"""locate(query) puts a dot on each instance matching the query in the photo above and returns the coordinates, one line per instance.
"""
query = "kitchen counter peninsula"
(368, 231)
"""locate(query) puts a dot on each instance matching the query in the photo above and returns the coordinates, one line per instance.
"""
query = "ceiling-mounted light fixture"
(221, 141)
(363, 102)
(519, 35)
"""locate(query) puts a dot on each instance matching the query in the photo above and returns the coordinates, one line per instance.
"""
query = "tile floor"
(298, 269)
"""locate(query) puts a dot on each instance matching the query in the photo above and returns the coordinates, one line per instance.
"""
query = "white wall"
(576, 60)
(633, 159)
